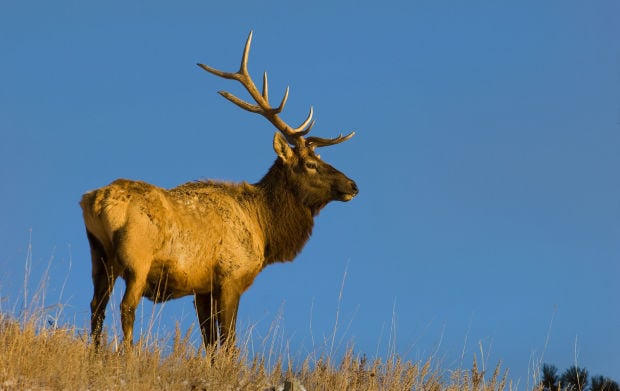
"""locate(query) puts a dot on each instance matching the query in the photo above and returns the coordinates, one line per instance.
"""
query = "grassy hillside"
(37, 353)
(37, 356)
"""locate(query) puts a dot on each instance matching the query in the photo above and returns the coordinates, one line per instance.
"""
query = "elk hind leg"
(135, 283)
(103, 277)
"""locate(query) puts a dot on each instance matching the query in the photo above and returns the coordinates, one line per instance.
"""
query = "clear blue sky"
(487, 156)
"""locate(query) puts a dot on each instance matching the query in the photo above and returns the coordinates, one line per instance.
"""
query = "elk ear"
(280, 145)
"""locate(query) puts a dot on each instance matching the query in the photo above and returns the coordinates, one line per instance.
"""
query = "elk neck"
(287, 222)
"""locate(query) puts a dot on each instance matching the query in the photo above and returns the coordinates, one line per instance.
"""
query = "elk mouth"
(345, 197)
(349, 194)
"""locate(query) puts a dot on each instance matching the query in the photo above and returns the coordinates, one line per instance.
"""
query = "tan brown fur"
(207, 239)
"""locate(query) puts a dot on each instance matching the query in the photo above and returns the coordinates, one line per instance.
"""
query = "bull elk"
(209, 239)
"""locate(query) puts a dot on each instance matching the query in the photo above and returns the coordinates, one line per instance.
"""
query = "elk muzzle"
(346, 190)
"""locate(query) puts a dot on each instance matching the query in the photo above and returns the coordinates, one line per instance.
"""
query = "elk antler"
(293, 135)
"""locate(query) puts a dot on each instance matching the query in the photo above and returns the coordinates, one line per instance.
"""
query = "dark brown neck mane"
(287, 223)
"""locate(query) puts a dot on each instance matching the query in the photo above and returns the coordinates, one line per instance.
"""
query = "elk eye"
(311, 166)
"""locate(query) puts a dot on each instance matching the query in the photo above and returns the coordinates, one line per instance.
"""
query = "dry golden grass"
(37, 354)
(38, 357)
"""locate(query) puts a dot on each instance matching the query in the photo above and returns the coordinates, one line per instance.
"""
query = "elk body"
(209, 239)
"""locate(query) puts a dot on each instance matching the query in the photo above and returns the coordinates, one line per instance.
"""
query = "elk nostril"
(354, 187)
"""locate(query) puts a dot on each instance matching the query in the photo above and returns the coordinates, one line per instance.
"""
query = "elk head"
(315, 181)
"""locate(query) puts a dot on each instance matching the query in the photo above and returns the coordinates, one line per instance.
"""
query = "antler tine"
(241, 103)
(318, 142)
(304, 129)
(217, 72)
(279, 109)
(244, 78)
(265, 87)
(243, 69)
(299, 132)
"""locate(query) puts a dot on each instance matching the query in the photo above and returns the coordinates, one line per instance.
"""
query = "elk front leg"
(206, 309)
(228, 305)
